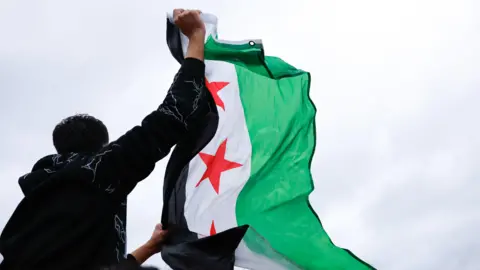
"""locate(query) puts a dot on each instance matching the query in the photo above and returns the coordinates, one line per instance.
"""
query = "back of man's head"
(80, 133)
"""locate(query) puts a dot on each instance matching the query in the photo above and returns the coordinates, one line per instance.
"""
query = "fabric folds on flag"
(236, 190)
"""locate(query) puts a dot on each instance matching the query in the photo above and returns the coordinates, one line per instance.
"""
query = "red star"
(216, 165)
(214, 88)
(212, 229)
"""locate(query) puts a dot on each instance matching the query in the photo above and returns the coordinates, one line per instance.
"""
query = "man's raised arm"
(123, 163)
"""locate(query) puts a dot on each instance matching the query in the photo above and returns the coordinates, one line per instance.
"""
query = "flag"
(236, 191)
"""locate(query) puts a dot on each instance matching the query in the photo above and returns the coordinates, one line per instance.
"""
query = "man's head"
(80, 133)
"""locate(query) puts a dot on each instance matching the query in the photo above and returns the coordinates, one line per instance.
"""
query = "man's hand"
(189, 22)
(153, 246)
(192, 26)
(158, 237)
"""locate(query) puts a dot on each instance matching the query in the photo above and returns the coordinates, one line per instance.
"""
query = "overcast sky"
(396, 84)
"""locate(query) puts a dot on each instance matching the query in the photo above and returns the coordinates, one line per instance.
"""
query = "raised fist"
(189, 22)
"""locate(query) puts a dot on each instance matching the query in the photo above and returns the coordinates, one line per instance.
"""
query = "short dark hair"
(80, 133)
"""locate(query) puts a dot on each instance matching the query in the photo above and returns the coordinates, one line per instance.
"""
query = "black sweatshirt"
(69, 218)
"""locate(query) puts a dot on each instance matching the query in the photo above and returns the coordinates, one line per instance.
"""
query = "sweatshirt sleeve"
(119, 166)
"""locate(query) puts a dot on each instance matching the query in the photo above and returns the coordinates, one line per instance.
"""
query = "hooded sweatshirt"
(71, 214)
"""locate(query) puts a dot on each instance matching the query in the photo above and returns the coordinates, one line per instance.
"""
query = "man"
(69, 217)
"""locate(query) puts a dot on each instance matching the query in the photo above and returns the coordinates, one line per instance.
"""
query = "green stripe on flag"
(280, 117)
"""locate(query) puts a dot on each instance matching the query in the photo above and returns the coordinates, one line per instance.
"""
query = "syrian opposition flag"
(236, 191)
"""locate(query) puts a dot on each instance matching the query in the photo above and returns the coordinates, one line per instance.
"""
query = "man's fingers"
(177, 11)
(182, 12)
(197, 13)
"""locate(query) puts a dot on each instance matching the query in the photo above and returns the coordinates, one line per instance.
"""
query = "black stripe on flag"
(174, 42)
(212, 252)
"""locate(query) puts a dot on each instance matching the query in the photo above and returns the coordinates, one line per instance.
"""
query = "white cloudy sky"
(396, 84)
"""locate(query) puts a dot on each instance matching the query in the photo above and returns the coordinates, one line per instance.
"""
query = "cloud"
(395, 84)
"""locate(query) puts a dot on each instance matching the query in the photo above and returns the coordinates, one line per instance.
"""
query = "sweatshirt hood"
(41, 171)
